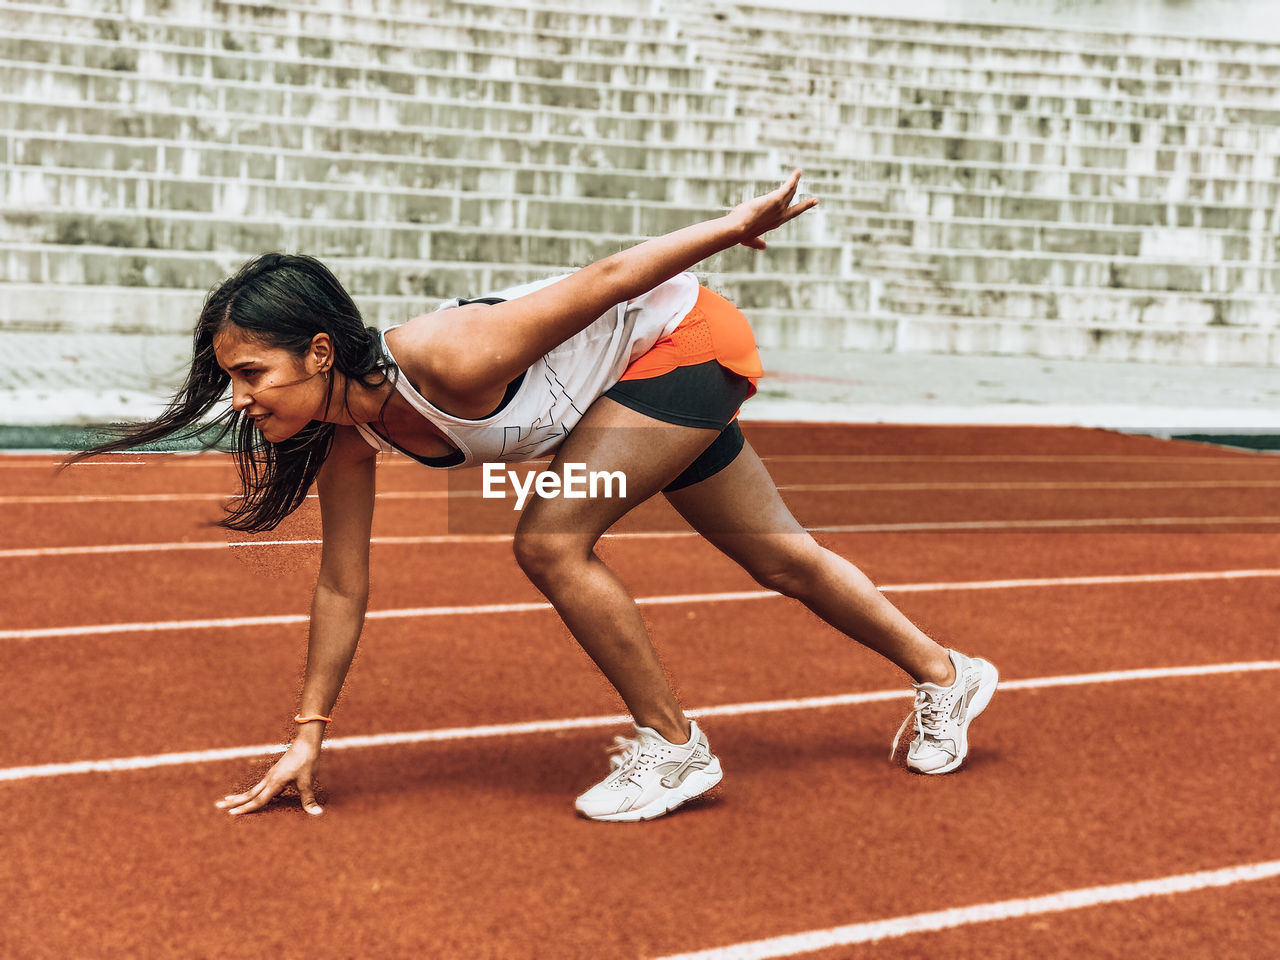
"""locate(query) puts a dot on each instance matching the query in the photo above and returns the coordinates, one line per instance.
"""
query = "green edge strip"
(69, 438)
(1246, 441)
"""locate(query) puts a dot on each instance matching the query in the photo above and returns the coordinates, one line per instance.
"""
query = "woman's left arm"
(477, 348)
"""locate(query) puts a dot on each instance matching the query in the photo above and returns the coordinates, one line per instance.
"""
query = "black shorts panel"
(723, 451)
(704, 395)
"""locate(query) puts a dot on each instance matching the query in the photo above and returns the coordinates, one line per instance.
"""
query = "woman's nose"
(241, 400)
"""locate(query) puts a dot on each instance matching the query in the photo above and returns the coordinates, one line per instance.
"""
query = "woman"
(625, 365)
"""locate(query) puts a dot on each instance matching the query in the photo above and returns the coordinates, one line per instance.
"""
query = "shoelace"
(626, 755)
(927, 715)
(629, 754)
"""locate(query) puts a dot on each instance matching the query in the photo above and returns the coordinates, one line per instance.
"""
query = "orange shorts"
(713, 330)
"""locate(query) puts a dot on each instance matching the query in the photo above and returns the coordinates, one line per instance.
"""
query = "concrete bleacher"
(985, 189)
(1120, 187)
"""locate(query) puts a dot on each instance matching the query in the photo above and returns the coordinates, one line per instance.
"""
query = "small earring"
(325, 371)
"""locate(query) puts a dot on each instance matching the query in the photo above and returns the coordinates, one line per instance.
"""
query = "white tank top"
(558, 387)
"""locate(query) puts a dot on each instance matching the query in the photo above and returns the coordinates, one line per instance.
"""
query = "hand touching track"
(298, 765)
(762, 214)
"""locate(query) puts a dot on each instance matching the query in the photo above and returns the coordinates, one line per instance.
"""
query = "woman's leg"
(740, 511)
(555, 540)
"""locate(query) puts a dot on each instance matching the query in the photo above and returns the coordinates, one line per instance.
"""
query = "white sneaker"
(942, 716)
(651, 776)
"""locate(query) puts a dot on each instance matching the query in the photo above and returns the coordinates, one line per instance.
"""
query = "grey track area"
(48, 379)
(919, 388)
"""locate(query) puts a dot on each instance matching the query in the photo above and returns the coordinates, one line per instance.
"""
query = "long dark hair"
(284, 300)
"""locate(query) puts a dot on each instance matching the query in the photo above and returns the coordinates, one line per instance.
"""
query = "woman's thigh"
(740, 511)
(613, 438)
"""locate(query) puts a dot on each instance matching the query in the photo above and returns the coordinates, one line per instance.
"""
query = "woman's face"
(280, 392)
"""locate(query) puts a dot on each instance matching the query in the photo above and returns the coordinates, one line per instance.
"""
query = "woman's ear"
(322, 351)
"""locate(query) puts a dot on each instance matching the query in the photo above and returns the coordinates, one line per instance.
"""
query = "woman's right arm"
(346, 489)
(474, 351)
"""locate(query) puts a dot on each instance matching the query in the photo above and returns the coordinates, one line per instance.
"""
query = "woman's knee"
(793, 569)
(544, 557)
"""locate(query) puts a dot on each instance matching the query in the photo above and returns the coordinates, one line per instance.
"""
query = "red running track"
(468, 847)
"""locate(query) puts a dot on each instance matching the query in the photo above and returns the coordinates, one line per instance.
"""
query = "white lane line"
(579, 723)
(224, 462)
(71, 498)
(18, 553)
(54, 464)
(1081, 581)
(1038, 524)
(798, 943)
(14, 553)
(149, 626)
(46, 499)
(111, 498)
(458, 538)
(1030, 485)
(1242, 457)
(236, 622)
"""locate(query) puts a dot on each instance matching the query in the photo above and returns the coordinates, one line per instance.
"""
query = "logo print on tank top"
(525, 441)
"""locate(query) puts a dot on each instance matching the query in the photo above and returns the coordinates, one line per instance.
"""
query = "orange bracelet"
(301, 719)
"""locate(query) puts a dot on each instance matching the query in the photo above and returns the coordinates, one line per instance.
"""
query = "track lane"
(806, 455)
(806, 439)
(477, 844)
(55, 524)
(267, 580)
(1197, 925)
(160, 476)
(877, 439)
(482, 883)
(159, 693)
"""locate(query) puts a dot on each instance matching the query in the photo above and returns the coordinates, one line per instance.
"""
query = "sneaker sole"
(986, 690)
(696, 784)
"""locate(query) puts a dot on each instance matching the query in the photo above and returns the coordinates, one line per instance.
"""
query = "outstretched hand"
(298, 765)
(759, 216)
